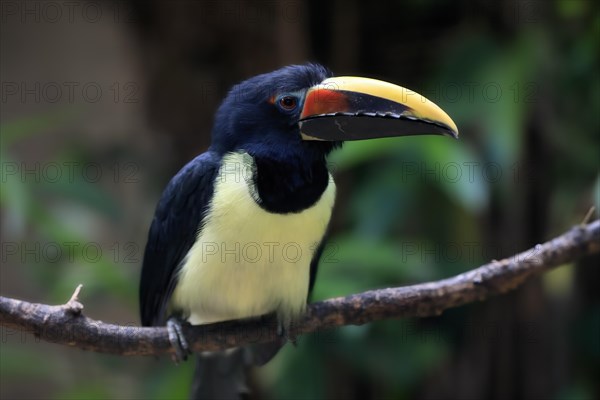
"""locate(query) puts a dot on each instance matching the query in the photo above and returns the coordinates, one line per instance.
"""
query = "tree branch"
(66, 325)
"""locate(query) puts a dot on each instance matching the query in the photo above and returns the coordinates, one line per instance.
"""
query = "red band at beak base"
(324, 101)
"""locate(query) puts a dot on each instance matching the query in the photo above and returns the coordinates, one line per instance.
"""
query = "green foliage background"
(521, 80)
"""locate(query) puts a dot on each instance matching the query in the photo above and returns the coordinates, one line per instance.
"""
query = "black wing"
(179, 215)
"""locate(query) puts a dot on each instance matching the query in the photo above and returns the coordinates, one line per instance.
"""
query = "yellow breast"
(247, 261)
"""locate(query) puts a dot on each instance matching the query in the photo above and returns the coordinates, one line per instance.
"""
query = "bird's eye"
(288, 103)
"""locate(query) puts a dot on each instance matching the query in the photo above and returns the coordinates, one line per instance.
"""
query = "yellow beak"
(354, 108)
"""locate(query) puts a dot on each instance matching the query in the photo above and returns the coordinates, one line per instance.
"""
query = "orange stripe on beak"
(324, 101)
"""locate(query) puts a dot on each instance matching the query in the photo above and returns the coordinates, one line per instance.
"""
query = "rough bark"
(65, 324)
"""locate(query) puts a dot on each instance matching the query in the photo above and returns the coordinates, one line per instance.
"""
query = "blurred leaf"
(351, 264)
(572, 8)
(462, 173)
(304, 363)
(170, 382)
(85, 193)
(577, 391)
(16, 361)
(559, 281)
(452, 164)
(24, 127)
(355, 153)
(13, 197)
(86, 390)
(29, 203)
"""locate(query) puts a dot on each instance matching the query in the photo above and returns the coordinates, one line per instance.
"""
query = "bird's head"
(304, 110)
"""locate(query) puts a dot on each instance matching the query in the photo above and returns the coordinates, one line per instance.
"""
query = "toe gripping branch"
(177, 339)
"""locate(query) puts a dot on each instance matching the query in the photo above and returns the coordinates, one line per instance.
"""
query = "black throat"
(289, 186)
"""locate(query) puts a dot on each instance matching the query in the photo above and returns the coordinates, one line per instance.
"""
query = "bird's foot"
(285, 331)
(177, 339)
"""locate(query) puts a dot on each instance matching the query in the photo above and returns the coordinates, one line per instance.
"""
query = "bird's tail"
(222, 375)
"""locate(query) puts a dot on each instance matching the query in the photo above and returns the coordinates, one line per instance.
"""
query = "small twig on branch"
(588, 216)
(60, 324)
(73, 305)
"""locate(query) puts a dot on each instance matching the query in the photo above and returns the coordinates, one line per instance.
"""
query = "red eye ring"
(288, 103)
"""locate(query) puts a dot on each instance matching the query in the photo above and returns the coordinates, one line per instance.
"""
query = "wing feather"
(178, 217)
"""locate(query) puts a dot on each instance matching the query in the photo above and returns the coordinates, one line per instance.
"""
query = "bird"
(239, 230)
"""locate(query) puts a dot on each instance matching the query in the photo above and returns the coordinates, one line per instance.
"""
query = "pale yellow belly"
(246, 261)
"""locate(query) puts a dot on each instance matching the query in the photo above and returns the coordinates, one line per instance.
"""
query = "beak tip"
(451, 128)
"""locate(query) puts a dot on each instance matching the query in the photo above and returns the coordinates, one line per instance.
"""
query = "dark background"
(102, 102)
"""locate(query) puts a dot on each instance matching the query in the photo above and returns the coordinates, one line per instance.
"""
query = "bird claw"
(285, 333)
(177, 340)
